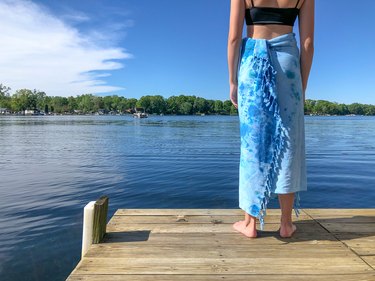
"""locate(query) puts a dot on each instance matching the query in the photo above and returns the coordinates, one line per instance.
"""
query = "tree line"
(323, 107)
(24, 99)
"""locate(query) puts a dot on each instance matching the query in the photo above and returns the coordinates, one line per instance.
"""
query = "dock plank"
(316, 212)
(237, 277)
(116, 225)
(213, 239)
(350, 227)
(370, 260)
(199, 265)
(207, 251)
(199, 218)
(362, 244)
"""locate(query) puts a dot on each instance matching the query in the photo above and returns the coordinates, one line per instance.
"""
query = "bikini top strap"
(252, 3)
(294, 7)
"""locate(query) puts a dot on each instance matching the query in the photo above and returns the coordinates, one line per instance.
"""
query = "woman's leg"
(247, 226)
(287, 228)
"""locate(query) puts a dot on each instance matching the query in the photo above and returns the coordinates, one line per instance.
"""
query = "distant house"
(130, 110)
(139, 109)
(33, 112)
(29, 112)
(4, 111)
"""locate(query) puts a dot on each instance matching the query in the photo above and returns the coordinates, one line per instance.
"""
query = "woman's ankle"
(286, 221)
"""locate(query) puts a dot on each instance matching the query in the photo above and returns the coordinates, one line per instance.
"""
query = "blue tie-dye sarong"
(271, 115)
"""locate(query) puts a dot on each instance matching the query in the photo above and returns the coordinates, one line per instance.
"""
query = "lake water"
(52, 166)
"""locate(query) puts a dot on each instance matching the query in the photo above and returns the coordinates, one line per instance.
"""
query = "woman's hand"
(233, 94)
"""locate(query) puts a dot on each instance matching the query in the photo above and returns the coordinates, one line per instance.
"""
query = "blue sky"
(142, 47)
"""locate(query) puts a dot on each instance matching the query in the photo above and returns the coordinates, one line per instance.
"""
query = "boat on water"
(140, 115)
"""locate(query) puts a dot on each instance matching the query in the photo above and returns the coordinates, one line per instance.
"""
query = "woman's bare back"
(269, 31)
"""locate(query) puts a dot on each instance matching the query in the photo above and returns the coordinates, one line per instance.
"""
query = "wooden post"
(94, 223)
(100, 219)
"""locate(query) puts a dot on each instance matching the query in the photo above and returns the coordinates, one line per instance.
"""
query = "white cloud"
(40, 51)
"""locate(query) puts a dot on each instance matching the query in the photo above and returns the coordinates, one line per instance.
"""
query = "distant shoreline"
(26, 101)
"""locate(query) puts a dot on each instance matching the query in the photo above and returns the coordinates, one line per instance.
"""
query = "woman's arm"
(237, 12)
(306, 32)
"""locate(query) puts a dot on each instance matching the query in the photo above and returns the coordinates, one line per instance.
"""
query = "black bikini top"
(270, 15)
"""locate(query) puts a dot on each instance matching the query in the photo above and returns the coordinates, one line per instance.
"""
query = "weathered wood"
(363, 244)
(199, 218)
(370, 260)
(232, 212)
(340, 212)
(191, 212)
(201, 244)
(213, 239)
(219, 251)
(237, 277)
(203, 265)
(116, 225)
(100, 219)
(344, 219)
(350, 227)
(176, 212)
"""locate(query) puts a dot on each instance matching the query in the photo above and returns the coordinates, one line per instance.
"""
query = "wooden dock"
(200, 244)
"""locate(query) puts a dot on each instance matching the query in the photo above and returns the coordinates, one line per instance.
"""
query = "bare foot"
(287, 231)
(245, 228)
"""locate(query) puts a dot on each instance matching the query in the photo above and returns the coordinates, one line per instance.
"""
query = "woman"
(268, 77)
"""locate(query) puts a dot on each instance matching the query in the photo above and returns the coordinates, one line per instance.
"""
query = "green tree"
(40, 99)
(86, 103)
(4, 90)
(145, 103)
(322, 106)
(5, 99)
(186, 108)
(309, 106)
(356, 108)
(24, 99)
(97, 103)
(72, 104)
(233, 110)
(116, 101)
(227, 107)
(131, 103)
(108, 103)
(60, 104)
(343, 109)
(368, 109)
(200, 105)
(158, 104)
(218, 106)
(172, 105)
(210, 106)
